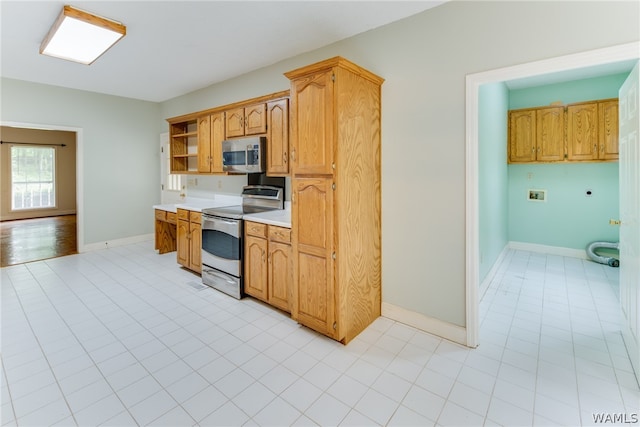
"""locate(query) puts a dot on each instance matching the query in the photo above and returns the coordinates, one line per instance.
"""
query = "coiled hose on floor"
(610, 261)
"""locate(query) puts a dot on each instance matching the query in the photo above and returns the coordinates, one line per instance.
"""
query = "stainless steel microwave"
(244, 155)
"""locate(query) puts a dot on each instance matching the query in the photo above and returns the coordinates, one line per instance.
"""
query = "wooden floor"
(28, 240)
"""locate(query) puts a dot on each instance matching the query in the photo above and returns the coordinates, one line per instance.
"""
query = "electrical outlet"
(530, 175)
(219, 183)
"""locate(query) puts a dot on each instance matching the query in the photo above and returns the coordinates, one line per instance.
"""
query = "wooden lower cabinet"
(255, 271)
(165, 231)
(314, 292)
(189, 240)
(267, 273)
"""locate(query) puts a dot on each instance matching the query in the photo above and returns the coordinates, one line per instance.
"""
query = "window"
(170, 182)
(33, 177)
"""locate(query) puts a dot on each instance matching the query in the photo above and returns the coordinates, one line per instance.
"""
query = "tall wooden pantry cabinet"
(335, 214)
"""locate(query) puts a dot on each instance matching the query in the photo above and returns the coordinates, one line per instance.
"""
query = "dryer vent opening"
(607, 260)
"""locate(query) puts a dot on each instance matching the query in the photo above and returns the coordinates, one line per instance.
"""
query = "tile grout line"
(44, 354)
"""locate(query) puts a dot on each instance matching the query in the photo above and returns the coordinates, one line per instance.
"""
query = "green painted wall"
(493, 174)
(568, 218)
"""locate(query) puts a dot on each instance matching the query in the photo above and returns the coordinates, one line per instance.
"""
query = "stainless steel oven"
(222, 237)
(221, 253)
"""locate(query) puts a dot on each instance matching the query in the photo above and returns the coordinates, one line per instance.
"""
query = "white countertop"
(195, 204)
(280, 217)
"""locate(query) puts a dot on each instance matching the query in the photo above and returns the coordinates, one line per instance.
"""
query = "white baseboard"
(492, 272)
(45, 213)
(551, 250)
(117, 242)
(428, 324)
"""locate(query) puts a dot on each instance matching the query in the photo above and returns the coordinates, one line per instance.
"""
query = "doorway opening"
(602, 62)
(596, 61)
(41, 208)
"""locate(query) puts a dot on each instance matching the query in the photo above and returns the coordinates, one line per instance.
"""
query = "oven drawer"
(183, 214)
(256, 229)
(195, 217)
(171, 217)
(279, 234)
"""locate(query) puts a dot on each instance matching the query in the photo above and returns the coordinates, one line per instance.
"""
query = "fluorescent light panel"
(81, 36)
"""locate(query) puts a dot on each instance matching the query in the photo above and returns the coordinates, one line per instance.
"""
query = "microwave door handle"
(246, 156)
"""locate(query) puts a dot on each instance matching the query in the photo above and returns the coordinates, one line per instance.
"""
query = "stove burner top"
(255, 198)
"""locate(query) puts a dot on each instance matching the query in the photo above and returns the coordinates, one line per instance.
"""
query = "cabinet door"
(312, 124)
(582, 131)
(608, 130)
(183, 246)
(255, 119)
(255, 270)
(522, 136)
(278, 138)
(204, 144)
(550, 134)
(217, 136)
(314, 303)
(234, 122)
(280, 275)
(195, 234)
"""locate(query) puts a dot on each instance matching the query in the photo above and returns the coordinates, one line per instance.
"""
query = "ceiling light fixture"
(80, 36)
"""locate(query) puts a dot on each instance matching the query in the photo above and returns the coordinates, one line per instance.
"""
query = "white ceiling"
(175, 47)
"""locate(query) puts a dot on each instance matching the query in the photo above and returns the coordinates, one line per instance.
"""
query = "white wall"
(120, 152)
(424, 60)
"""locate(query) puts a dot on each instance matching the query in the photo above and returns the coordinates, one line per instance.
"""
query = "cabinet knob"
(293, 155)
(284, 157)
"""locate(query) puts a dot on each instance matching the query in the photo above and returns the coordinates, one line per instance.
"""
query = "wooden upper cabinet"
(312, 123)
(183, 146)
(522, 136)
(582, 131)
(536, 135)
(217, 136)
(234, 122)
(550, 134)
(608, 129)
(255, 119)
(210, 137)
(250, 120)
(278, 137)
(585, 131)
(204, 144)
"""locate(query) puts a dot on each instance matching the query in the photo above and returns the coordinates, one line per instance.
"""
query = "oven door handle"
(228, 226)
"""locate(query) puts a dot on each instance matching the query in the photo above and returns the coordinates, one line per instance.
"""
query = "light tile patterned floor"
(124, 337)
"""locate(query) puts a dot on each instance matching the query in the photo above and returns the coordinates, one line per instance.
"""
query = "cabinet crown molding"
(336, 61)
